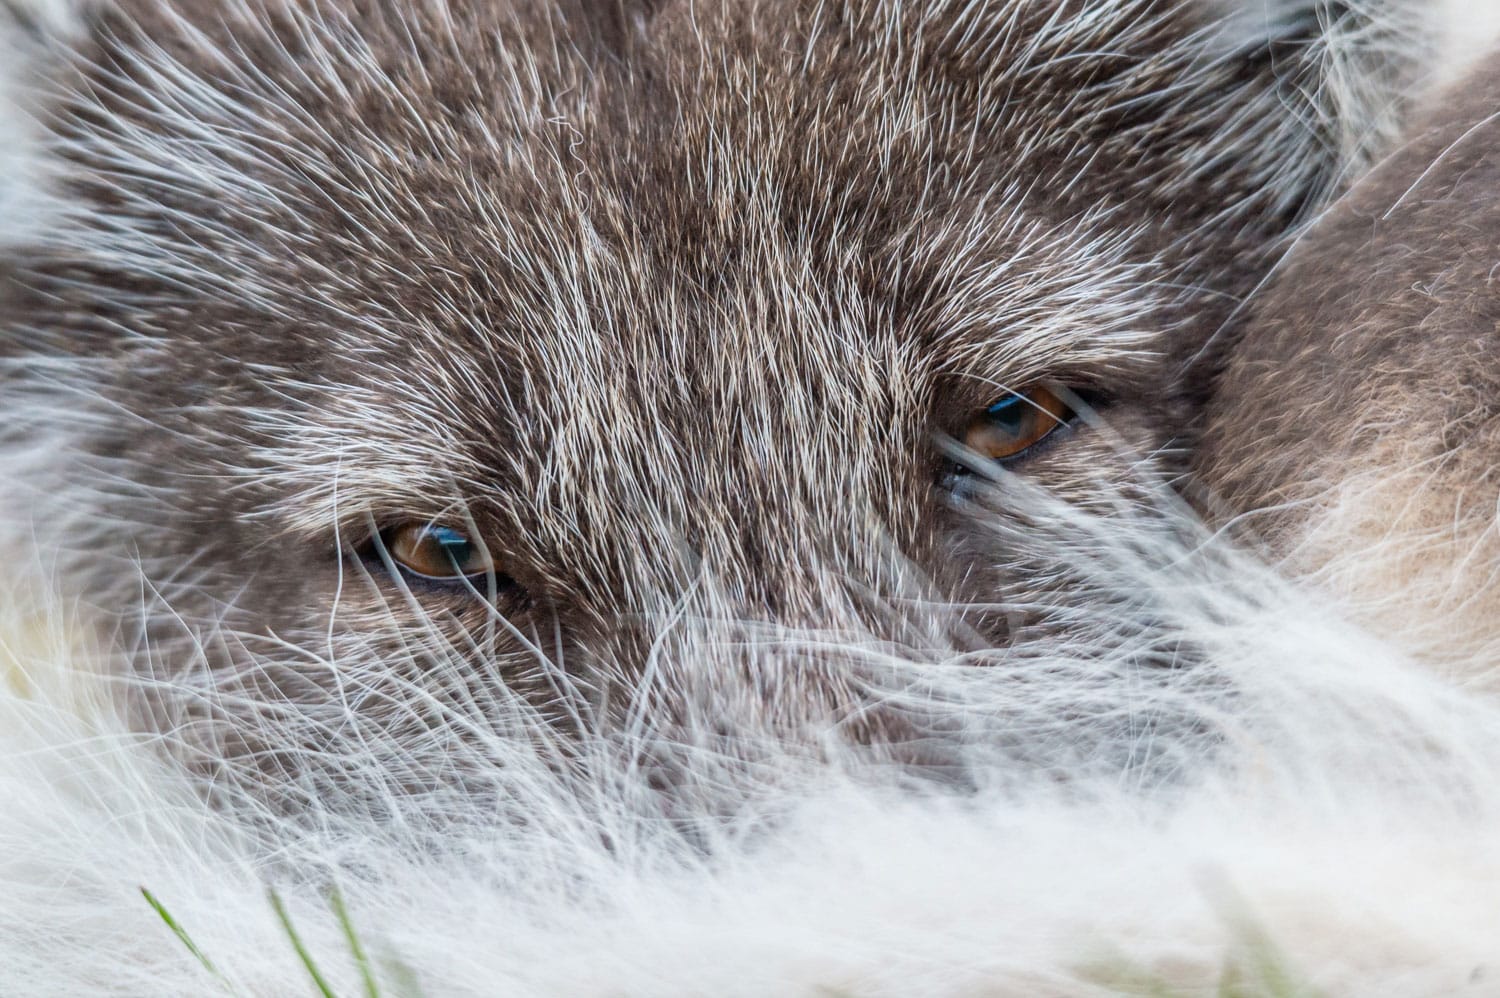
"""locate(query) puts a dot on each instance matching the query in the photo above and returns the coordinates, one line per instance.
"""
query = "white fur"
(25, 186)
(1349, 818)
(1470, 31)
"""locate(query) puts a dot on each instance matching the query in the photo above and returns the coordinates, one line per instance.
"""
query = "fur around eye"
(436, 551)
(1015, 424)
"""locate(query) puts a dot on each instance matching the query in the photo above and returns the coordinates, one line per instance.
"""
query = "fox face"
(416, 376)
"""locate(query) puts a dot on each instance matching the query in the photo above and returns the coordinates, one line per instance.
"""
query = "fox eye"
(1017, 423)
(434, 551)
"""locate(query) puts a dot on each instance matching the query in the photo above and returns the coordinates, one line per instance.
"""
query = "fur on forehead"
(1010, 178)
(994, 79)
(992, 191)
(278, 116)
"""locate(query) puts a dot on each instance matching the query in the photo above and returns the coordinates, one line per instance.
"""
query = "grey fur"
(671, 303)
(1357, 420)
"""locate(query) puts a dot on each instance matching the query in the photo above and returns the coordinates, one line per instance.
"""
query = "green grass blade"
(361, 958)
(182, 936)
(302, 953)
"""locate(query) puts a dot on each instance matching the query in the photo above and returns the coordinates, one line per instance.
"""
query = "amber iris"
(1017, 423)
(435, 551)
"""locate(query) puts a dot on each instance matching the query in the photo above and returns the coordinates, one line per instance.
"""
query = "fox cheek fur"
(668, 307)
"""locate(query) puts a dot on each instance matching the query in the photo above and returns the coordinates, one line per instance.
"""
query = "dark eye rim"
(1078, 399)
(375, 553)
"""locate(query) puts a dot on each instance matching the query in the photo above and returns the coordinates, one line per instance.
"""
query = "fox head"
(398, 376)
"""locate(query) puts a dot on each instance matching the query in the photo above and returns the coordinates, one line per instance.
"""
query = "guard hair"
(1363, 62)
(1306, 807)
(678, 317)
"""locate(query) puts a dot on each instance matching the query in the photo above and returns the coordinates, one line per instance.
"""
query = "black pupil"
(1010, 415)
(458, 548)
